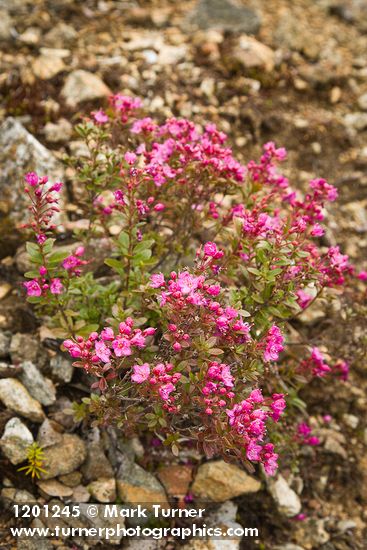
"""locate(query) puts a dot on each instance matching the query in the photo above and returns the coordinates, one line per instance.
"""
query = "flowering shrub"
(207, 260)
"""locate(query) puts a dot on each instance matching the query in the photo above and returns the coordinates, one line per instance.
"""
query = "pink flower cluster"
(304, 432)
(41, 286)
(98, 351)
(248, 419)
(125, 105)
(44, 200)
(273, 344)
(161, 379)
(73, 262)
(218, 385)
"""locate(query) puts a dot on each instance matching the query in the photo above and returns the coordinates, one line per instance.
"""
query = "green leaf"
(116, 265)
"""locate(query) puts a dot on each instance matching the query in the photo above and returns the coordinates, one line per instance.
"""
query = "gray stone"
(97, 464)
(64, 457)
(134, 485)
(82, 86)
(225, 15)
(49, 434)
(61, 369)
(39, 387)
(286, 499)
(15, 441)
(16, 398)
(4, 344)
(20, 152)
(23, 347)
(346, 525)
(59, 131)
(47, 66)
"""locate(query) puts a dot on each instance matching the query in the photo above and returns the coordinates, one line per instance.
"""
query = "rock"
(356, 121)
(49, 434)
(288, 546)
(80, 494)
(61, 369)
(11, 495)
(23, 347)
(5, 288)
(38, 544)
(362, 102)
(60, 131)
(225, 15)
(346, 525)
(332, 445)
(97, 465)
(312, 534)
(103, 490)
(71, 480)
(4, 344)
(15, 441)
(170, 55)
(82, 86)
(60, 35)
(176, 479)
(20, 152)
(134, 485)
(286, 499)
(252, 54)
(64, 457)
(54, 488)
(46, 67)
(62, 413)
(351, 11)
(16, 398)
(30, 36)
(7, 31)
(351, 420)
(220, 481)
(39, 387)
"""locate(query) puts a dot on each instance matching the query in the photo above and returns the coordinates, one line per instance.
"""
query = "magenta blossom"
(141, 373)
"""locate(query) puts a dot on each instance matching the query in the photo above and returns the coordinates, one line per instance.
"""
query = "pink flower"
(56, 287)
(304, 299)
(33, 288)
(130, 158)
(362, 275)
(166, 390)
(107, 334)
(121, 347)
(103, 352)
(32, 179)
(211, 250)
(100, 117)
(159, 207)
(141, 373)
(157, 280)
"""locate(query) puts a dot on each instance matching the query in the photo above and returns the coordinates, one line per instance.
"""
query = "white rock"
(82, 86)
(16, 440)
(362, 102)
(103, 490)
(251, 53)
(16, 398)
(40, 387)
(286, 499)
